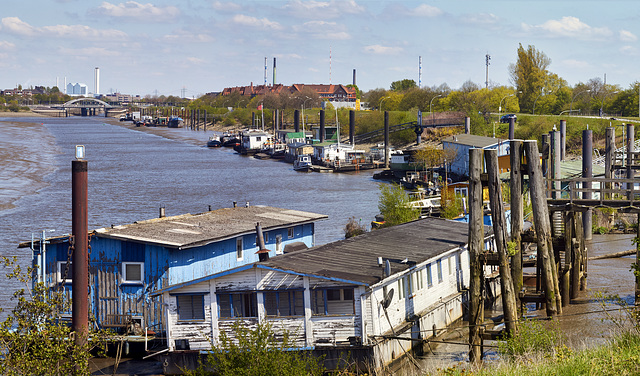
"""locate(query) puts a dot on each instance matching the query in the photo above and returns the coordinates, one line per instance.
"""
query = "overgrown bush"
(354, 228)
(532, 339)
(257, 352)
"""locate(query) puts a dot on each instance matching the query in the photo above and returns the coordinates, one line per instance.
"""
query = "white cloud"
(425, 10)
(183, 35)
(4, 45)
(324, 9)
(629, 51)
(196, 60)
(483, 19)
(137, 11)
(323, 30)
(382, 50)
(226, 7)
(16, 26)
(570, 27)
(627, 36)
(264, 23)
(89, 52)
(571, 63)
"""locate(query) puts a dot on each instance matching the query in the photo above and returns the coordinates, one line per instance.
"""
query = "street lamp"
(603, 99)
(303, 103)
(380, 105)
(534, 102)
(430, 103)
(503, 98)
(574, 97)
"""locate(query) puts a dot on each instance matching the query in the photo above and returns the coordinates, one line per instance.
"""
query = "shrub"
(354, 228)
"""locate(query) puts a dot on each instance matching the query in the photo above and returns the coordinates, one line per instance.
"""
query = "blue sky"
(198, 46)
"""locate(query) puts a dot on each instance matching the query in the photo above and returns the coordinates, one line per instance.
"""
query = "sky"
(192, 47)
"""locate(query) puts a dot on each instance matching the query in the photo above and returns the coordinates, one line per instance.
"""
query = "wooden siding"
(334, 329)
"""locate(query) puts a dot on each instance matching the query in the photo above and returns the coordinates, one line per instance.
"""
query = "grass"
(620, 357)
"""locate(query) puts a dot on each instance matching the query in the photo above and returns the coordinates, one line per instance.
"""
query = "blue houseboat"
(128, 263)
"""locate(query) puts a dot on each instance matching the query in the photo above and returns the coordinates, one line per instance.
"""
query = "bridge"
(87, 107)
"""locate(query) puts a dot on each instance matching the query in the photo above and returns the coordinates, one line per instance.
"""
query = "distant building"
(121, 98)
(77, 89)
(332, 93)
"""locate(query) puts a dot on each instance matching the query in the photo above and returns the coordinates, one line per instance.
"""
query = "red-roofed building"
(333, 93)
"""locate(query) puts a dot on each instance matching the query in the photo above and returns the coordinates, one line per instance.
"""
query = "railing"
(609, 192)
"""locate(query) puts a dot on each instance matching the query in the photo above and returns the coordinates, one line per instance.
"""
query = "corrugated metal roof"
(192, 230)
(473, 140)
(356, 259)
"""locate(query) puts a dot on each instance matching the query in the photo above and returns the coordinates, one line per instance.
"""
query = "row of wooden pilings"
(559, 284)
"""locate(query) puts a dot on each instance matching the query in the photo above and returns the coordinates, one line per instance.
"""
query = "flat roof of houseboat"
(193, 230)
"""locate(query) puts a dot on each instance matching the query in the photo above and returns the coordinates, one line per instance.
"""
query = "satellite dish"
(387, 268)
(388, 297)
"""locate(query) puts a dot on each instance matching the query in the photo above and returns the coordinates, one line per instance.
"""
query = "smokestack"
(274, 71)
(162, 212)
(263, 253)
(80, 260)
(97, 81)
(354, 77)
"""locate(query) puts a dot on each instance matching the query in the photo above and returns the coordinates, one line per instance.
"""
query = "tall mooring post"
(80, 260)
(296, 120)
(322, 131)
(517, 217)
(386, 139)
(352, 127)
(610, 147)
(543, 229)
(500, 236)
(512, 128)
(630, 150)
(467, 125)
(587, 172)
(476, 248)
(563, 139)
(554, 160)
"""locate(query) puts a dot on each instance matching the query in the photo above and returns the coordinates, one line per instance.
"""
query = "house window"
(190, 307)
(265, 236)
(239, 250)
(237, 305)
(290, 233)
(429, 276)
(332, 301)
(284, 303)
(401, 293)
(410, 284)
(450, 260)
(133, 272)
(278, 244)
(439, 270)
(419, 280)
(65, 272)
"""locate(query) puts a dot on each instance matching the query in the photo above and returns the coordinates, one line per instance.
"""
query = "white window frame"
(279, 249)
(61, 266)
(239, 249)
(126, 280)
(290, 233)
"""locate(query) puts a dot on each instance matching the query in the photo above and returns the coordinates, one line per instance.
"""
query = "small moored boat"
(214, 142)
(302, 163)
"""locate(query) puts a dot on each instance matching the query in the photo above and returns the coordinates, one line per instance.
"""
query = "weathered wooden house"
(129, 263)
(463, 142)
(335, 298)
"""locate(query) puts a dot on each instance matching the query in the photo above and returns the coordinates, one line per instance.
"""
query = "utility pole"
(487, 58)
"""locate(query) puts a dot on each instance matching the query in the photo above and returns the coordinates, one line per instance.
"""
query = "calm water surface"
(134, 171)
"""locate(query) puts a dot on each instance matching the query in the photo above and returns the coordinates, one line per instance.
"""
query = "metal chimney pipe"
(296, 120)
(80, 262)
(322, 130)
(263, 253)
(162, 213)
(352, 127)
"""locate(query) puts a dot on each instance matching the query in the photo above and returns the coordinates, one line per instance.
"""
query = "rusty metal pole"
(79, 229)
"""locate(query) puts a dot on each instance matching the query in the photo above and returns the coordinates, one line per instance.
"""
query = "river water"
(134, 171)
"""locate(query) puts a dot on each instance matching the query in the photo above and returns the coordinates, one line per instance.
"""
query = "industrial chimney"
(274, 71)
(354, 77)
(97, 81)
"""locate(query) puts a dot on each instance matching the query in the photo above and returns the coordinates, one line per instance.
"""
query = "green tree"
(257, 352)
(393, 204)
(529, 75)
(34, 340)
(403, 85)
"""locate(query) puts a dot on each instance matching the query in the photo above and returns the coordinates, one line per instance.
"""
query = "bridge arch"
(74, 101)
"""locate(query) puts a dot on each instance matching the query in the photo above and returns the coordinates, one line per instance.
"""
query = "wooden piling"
(630, 149)
(205, 121)
(500, 235)
(543, 228)
(563, 139)
(587, 172)
(637, 295)
(476, 248)
(387, 155)
(517, 217)
(568, 245)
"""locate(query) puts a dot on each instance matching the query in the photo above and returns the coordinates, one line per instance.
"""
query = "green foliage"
(354, 228)
(532, 340)
(450, 204)
(393, 204)
(34, 340)
(257, 352)
(529, 74)
(403, 85)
